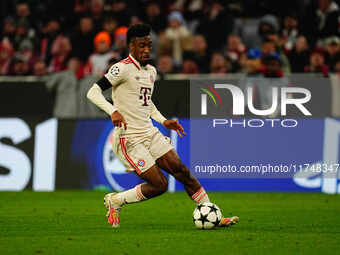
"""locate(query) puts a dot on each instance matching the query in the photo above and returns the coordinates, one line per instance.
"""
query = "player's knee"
(183, 170)
(163, 185)
(184, 176)
(178, 167)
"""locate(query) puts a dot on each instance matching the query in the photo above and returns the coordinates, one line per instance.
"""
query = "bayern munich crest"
(141, 163)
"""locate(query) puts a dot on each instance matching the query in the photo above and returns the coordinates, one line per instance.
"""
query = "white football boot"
(113, 209)
(227, 222)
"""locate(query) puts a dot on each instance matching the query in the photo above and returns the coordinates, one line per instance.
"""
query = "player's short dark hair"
(138, 30)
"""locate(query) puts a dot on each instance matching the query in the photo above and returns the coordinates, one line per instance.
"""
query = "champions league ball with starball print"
(207, 216)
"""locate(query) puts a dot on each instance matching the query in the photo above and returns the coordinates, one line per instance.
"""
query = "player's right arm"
(112, 78)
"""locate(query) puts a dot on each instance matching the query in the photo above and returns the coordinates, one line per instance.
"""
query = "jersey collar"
(134, 61)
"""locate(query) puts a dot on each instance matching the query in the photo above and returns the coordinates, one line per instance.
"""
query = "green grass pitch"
(73, 222)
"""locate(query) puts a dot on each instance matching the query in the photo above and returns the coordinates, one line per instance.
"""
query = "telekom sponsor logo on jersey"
(280, 100)
(145, 95)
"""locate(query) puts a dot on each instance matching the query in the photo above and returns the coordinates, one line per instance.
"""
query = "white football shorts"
(139, 153)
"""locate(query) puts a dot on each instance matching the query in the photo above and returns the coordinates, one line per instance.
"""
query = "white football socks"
(133, 195)
(200, 196)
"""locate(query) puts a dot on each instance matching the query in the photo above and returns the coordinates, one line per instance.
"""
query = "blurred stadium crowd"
(264, 37)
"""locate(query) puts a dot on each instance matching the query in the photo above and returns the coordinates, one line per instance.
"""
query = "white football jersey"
(131, 93)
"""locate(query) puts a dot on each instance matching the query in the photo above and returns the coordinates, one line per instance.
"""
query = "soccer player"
(136, 142)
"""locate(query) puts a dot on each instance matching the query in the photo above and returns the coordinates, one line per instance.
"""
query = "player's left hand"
(174, 125)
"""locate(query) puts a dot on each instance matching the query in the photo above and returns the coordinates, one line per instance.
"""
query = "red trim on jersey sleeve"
(126, 61)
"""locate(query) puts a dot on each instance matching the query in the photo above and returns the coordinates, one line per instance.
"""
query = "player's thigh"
(172, 163)
(159, 145)
(155, 177)
(135, 157)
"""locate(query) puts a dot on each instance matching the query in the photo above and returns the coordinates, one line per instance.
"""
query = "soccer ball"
(207, 216)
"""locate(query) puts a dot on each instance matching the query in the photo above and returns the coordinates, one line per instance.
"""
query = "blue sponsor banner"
(237, 148)
(313, 145)
(92, 144)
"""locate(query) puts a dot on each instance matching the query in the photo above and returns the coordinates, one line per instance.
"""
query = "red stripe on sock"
(194, 196)
(139, 192)
(200, 198)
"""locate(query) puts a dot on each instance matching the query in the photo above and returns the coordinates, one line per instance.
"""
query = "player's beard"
(144, 63)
